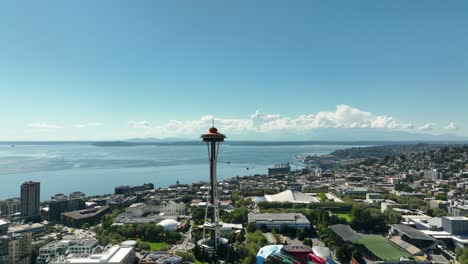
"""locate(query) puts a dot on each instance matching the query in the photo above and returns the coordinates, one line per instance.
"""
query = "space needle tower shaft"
(213, 138)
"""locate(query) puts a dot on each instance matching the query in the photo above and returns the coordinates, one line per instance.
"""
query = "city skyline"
(112, 71)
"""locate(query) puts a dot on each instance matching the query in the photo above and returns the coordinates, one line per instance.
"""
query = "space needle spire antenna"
(213, 138)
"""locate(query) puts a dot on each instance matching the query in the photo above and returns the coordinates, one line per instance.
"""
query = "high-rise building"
(76, 201)
(4, 224)
(30, 199)
(10, 206)
(16, 249)
(58, 204)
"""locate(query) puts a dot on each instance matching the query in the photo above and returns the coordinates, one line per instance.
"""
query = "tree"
(107, 221)
(323, 197)
(300, 234)
(230, 255)
(251, 227)
(198, 214)
(358, 257)
(308, 242)
(368, 219)
(237, 216)
(186, 256)
(144, 246)
(462, 255)
(392, 217)
(222, 251)
(341, 254)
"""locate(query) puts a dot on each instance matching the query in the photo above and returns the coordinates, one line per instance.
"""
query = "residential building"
(61, 203)
(30, 199)
(458, 210)
(4, 224)
(388, 204)
(15, 248)
(438, 204)
(10, 206)
(433, 175)
(58, 205)
(33, 228)
(373, 198)
(76, 201)
(279, 169)
(126, 189)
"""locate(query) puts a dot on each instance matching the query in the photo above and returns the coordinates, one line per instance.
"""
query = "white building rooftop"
(114, 255)
(290, 196)
(456, 218)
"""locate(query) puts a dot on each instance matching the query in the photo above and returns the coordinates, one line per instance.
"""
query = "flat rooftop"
(459, 218)
(115, 254)
(23, 228)
(412, 232)
(270, 217)
(291, 196)
(345, 232)
(80, 214)
(85, 242)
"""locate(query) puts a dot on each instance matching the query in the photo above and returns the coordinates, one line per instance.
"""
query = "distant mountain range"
(329, 135)
(316, 137)
(319, 137)
(381, 135)
(152, 139)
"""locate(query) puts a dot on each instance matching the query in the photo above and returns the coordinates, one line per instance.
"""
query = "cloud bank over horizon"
(344, 122)
(261, 123)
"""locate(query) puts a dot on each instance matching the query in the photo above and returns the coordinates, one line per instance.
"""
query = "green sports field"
(382, 247)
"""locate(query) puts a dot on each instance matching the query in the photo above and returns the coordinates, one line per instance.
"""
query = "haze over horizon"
(308, 70)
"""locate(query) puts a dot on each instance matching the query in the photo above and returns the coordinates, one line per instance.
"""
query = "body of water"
(97, 170)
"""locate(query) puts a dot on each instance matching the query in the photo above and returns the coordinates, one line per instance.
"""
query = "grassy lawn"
(156, 246)
(345, 216)
(382, 248)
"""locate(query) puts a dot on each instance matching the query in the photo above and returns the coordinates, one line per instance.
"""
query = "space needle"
(213, 139)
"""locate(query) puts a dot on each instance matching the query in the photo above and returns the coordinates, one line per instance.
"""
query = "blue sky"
(117, 69)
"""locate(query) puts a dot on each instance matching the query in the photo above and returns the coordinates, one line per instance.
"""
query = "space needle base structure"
(211, 225)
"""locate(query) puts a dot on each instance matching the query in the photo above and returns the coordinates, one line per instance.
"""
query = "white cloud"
(347, 117)
(43, 125)
(139, 124)
(428, 126)
(451, 126)
(344, 116)
(92, 124)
